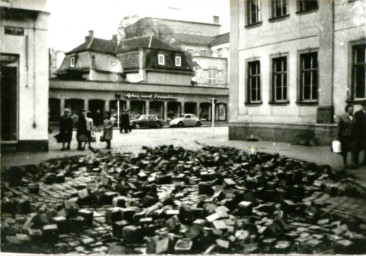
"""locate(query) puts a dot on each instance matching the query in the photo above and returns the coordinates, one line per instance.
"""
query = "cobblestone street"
(340, 213)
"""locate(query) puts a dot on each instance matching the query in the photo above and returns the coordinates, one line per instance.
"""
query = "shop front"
(166, 102)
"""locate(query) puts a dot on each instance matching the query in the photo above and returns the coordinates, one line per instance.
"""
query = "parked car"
(146, 121)
(186, 120)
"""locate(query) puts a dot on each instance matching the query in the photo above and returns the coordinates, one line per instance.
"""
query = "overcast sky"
(70, 20)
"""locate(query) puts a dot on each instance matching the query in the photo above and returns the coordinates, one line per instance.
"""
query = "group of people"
(85, 128)
(352, 134)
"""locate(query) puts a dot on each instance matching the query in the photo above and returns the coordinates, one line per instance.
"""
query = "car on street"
(185, 120)
(146, 121)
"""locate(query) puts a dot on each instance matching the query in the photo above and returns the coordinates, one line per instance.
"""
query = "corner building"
(295, 64)
(24, 75)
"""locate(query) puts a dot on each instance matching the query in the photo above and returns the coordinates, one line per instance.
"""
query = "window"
(72, 62)
(212, 73)
(309, 76)
(253, 12)
(279, 79)
(254, 83)
(161, 59)
(359, 71)
(279, 8)
(178, 61)
(307, 5)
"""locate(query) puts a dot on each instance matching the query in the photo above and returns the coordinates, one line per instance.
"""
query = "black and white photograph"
(183, 127)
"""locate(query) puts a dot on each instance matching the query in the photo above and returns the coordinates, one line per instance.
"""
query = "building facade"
(156, 79)
(24, 75)
(294, 66)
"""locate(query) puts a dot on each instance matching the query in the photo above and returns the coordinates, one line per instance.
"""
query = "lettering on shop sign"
(150, 96)
(15, 31)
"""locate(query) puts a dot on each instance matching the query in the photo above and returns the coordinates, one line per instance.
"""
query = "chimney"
(90, 36)
(216, 19)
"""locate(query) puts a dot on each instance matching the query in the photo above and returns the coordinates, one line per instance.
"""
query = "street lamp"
(213, 101)
(118, 97)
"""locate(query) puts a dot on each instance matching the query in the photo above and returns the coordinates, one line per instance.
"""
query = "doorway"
(9, 97)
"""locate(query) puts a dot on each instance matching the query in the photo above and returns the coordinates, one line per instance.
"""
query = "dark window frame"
(304, 6)
(253, 79)
(283, 9)
(356, 63)
(254, 16)
(303, 70)
(283, 74)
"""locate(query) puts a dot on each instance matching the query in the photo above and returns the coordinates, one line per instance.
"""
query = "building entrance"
(157, 108)
(75, 106)
(137, 108)
(174, 110)
(9, 97)
(205, 111)
(190, 108)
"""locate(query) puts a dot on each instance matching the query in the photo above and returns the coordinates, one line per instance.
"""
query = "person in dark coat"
(81, 130)
(345, 133)
(359, 124)
(125, 122)
(66, 125)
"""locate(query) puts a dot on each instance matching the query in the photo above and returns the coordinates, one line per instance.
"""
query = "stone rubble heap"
(168, 200)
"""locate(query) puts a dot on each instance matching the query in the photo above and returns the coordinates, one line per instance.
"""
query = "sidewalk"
(191, 138)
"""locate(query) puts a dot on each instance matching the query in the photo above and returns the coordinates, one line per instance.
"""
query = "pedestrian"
(108, 129)
(66, 126)
(81, 134)
(125, 121)
(89, 128)
(359, 127)
(345, 133)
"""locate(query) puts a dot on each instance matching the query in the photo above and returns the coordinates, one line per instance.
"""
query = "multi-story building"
(156, 79)
(294, 66)
(202, 41)
(24, 74)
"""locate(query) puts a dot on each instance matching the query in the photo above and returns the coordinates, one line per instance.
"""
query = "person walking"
(66, 126)
(359, 124)
(108, 129)
(89, 128)
(125, 122)
(345, 133)
(81, 134)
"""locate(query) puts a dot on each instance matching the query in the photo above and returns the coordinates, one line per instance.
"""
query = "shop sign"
(15, 31)
(150, 96)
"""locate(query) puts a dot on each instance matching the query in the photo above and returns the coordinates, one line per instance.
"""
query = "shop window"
(161, 59)
(359, 71)
(279, 79)
(253, 12)
(307, 5)
(254, 83)
(72, 62)
(212, 75)
(279, 8)
(309, 77)
(178, 61)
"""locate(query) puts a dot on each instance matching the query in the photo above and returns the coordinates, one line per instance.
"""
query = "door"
(9, 97)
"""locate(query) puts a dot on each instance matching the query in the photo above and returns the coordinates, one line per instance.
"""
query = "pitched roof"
(193, 39)
(97, 45)
(143, 42)
(220, 39)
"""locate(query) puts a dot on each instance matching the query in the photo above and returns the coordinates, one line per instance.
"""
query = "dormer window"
(178, 61)
(161, 59)
(72, 62)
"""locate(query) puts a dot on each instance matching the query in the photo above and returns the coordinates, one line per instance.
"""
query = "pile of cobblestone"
(171, 200)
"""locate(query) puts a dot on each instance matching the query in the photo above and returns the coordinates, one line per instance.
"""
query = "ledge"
(254, 25)
(307, 103)
(358, 101)
(253, 103)
(280, 18)
(279, 102)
